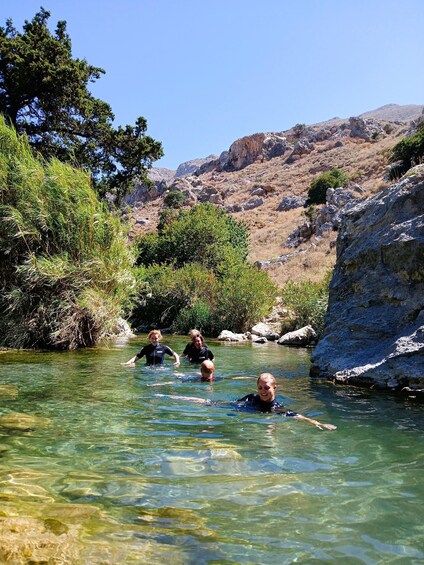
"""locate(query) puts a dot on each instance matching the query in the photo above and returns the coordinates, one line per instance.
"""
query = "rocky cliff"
(374, 334)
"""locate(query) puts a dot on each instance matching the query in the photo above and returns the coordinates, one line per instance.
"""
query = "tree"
(44, 94)
(202, 234)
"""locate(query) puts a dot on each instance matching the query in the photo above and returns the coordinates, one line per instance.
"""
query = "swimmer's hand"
(322, 426)
(176, 364)
(128, 364)
(317, 424)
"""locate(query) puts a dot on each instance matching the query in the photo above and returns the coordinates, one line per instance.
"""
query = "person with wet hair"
(197, 351)
(154, 352)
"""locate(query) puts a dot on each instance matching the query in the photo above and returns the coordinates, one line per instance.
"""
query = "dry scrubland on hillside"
(364, 161)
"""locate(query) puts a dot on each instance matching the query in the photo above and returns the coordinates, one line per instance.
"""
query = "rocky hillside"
(263, 180)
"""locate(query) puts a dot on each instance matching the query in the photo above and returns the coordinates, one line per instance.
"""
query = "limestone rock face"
(374, 332)
(262, 146)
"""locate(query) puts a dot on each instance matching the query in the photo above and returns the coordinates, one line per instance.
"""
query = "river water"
(99, 461)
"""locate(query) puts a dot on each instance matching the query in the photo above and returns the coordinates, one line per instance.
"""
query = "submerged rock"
(23, 422)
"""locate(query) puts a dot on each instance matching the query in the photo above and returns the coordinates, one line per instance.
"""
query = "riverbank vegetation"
(307, 302)
(68, 268)
(195, 274)
(66, 271)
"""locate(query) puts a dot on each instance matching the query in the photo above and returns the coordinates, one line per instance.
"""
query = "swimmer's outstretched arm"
(319, 425)
(190, 398)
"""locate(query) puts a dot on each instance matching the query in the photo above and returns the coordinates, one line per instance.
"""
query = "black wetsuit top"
(155, 353)
(253, 401)
(198, 355)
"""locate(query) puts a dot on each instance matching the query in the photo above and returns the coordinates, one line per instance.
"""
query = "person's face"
(266, 390)
(154, 339)
(197, 342)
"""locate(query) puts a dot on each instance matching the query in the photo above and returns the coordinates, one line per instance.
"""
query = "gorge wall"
(374, 333)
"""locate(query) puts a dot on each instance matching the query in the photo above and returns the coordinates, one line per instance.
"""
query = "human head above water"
(154, 333)
(268, 377)
(266, 384)
(193, 333)
(206, 369)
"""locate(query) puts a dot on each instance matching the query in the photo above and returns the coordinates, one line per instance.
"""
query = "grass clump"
(307, 302)
(66, 266)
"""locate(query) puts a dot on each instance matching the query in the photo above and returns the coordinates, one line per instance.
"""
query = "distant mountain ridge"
(395, 112)
(389, 112)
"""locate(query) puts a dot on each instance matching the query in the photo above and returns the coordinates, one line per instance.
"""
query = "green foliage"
(311, 213)
(194, 296)
(167, 291)
(318, 188)
(199, 316)
(204, 234)
(307, 302)
(44, 94)
(409, 151)
(174, 199)
(66, 266)
(244, 296)
(195, 274)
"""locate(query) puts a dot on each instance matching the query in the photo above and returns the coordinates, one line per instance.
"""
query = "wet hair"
(269, 377)
(153, 332)
(193, 333)
(207, 366)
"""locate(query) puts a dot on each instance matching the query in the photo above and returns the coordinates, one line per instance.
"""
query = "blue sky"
(207, 72)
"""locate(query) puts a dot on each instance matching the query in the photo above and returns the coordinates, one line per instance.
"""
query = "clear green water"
(148, 479)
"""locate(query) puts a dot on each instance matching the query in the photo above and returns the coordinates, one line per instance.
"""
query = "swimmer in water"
(154, 352)
(263, 401)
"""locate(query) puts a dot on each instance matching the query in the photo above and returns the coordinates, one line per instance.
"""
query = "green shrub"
(167, 291)
(204, 234)
(244, 296)
(308, 302)
(318, 188)
(195, 274)
(199, 316)
(67, 270)
(175, 199)
(409, 151)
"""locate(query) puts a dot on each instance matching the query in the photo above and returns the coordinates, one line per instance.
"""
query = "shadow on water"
(95, 468)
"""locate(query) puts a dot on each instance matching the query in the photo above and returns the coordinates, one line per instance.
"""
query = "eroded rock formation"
(374, 333)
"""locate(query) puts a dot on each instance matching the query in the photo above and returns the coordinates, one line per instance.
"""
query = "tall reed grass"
(66, 267)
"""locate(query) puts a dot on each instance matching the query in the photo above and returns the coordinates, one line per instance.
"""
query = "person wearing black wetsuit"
(263, 400)
(253, 401)
(155, 352)
(197, 351)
